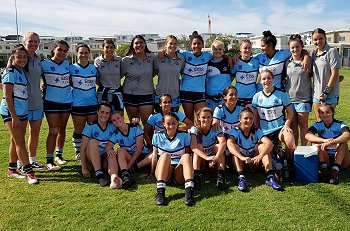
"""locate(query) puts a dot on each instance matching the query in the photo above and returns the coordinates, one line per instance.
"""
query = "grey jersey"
(169, 75)
(138, 75)
(298, 82)
(322, 65)
(109, 71)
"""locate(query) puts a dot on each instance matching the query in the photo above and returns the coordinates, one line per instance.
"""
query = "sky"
(93, 18)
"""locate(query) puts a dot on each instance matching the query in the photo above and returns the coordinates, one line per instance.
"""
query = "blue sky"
(89, 18)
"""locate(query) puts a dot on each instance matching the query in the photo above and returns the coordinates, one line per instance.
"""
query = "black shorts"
(57, 108)
(8, 118)
(274, 136)
(138, 100)
(84, 110)
(244, 101)
(192, 97)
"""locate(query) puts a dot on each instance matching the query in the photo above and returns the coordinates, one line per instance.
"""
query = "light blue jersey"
(246, 74)
(175, 147)
(128, 141)
(195, 71)
(271, 109)
(333, 130)
(156, 120)
(248, 145)
(94, 131)
(18, 79)
(56, 80)
(218, 77)
(207, 140)
(275, 64)
(228, 119)
(84, 84)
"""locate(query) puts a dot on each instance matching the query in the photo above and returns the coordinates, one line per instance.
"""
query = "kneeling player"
(332, 142)
(249, 145)
(93, 157)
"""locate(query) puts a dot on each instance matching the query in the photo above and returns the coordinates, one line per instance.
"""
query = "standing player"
(218, 76)
(326, 63)
(332, 139)
(14, 111)
(83, 76)
(299, 89)
(246, 71)
(270, 106)
(168, 70)
(249, 145)
(35, 103)
(138, 87)
(192, 88)
(108, 66)
(57, 101)
(171, 157)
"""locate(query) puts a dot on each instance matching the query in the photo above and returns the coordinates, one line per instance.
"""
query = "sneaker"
(77, 157)
(103, 182)
(38, 166)
(60, 160)
(189, 198)
(116, 182)
(13, 174)
(221, 182)
(334, 177)
(197, 180)
(31, 178)
(324, 175)
(160, 197)
(273, 183)
(52, 167)
(242, 184)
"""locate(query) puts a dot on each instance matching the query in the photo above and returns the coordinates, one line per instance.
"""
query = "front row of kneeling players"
(171, 159)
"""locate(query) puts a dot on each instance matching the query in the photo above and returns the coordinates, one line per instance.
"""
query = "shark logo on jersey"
(276, 101)
(52, 68)
(76, 71)
(240, 67)
(80, 82)
(203, 60)
(321, 131)
(96, 133)
(179, 145)
(335, 133)
(264, 60)
(57, 80)
(20, 79)
(121, 141)
(91, 72)
(261, 101)
(224, 116)
(189, 58)
(116, 66)
(162, 143)
(177, 63)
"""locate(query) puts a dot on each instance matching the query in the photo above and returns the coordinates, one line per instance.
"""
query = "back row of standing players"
(204, 76)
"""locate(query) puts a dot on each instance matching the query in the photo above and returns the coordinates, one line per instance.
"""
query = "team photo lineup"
(205, 112)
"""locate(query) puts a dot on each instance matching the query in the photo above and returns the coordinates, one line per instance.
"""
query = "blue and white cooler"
(306, 164)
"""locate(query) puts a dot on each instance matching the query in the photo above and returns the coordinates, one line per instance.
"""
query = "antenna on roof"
(209, 24)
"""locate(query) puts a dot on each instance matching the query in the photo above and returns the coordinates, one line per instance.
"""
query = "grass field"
(66, 201)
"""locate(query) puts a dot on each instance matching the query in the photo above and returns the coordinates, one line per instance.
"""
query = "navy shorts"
(8, 118)
(57, 108)
(138, 100)
(84, 110)
(192, 97)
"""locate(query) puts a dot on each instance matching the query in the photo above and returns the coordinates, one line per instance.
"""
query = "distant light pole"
(16, 22)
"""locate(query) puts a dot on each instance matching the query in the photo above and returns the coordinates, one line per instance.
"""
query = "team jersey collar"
(229, 109)
(147, 55)
(82, 65)
(57, 62)
(99, 125)
(127, 132)
(246, 61)
(325, 50)
(274, 89)
(170, 139)
(113, 58)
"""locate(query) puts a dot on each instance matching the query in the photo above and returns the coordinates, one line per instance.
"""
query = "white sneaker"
(116, 182)
(31, 178)
(77, 157)
(52, 167)
(60, 160)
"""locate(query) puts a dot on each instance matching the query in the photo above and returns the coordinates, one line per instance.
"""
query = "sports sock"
(161, 184)
(77, 138)
(19, 164)
(12, 166)
(59, 152)
(240, 174)
(269, 174)
(28, 169)
(49, 158)
(189, 183)
(99, 173)
(323, 165)
(336, 167)
(32, 159)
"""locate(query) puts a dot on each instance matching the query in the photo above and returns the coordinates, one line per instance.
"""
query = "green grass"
(66, 201)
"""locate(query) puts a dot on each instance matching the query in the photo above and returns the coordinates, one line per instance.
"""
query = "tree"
(226, 39)
(184, 42)
(123, 49)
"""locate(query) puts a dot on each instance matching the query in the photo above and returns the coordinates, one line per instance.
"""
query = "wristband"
(327, 90)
